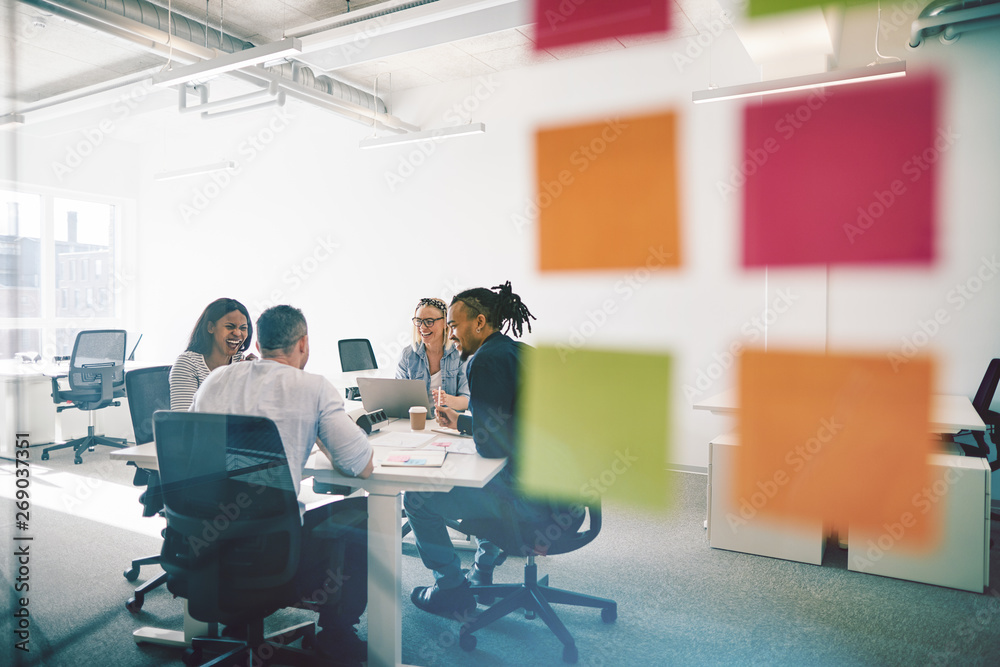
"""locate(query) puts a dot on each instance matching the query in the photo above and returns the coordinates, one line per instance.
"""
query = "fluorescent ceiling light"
(823, 79)
(225, 165)
(226, 63)
(426, 135)
(11, 120)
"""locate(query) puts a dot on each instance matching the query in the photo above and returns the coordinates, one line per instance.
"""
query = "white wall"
(448, 225)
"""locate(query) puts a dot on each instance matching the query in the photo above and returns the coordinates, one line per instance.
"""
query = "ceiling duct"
(950, 18)
(146, 24)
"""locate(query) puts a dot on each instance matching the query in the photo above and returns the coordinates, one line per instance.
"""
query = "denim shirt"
(413, 365)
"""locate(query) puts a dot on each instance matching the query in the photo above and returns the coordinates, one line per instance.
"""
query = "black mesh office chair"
(233, 532)
(982, 402)
(559, 534)
(96, 378)
(148, 390)
(356, 354)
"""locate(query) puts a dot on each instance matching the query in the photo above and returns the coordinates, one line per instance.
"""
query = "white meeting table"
(385, 487)
(385, 549)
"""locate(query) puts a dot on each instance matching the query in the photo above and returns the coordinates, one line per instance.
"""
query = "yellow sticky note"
(595, 423)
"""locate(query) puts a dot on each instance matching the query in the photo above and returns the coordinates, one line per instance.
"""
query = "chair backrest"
(98, 354)
(557, 533)
(987, 389)
(356, 354)
(148, 390)
(233, 526)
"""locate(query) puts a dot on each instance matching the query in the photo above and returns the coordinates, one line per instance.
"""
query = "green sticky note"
(594, 423)
(763, 7)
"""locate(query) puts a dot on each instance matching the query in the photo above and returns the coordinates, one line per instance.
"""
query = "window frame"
(122, 284)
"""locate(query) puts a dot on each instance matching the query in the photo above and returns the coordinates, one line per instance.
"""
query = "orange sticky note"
(838, 438)
(608, 196)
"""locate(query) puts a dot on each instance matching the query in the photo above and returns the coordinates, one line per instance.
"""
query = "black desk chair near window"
(148, 390)
(233, 532)
(558, 535)
(982, 401)
(96, 378)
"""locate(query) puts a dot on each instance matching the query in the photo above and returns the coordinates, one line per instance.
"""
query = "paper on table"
(402, 440)
(424, 457)
(454, 446)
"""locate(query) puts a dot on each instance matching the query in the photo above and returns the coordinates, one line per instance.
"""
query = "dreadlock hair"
(504, 310)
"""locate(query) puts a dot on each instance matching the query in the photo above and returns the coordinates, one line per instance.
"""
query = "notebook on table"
(420, 457)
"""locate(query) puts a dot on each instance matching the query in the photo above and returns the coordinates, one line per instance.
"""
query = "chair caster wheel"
(77, 461)
(467, 642)
(609, 614)
(530, 614)
(45, 456)
(570, 654)
(134, 605)
(131, 575)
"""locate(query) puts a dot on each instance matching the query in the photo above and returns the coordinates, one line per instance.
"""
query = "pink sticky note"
(563, 22)
(398, 458)
(843, 175)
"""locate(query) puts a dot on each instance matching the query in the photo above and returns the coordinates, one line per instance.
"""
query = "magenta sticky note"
(564, 22)
(842, 175)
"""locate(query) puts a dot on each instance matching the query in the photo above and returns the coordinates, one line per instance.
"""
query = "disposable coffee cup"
(418, 417)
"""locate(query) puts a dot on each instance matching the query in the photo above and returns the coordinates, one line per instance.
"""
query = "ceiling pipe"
(115, 18)
(950, 18)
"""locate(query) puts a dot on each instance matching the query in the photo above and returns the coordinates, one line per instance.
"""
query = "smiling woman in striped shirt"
(220, 337)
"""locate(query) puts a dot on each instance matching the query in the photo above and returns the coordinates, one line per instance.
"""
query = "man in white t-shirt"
(308, 409)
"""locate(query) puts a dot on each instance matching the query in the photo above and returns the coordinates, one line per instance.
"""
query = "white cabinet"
(959, 558)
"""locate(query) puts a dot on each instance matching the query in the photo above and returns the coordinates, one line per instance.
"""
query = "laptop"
(394, 396)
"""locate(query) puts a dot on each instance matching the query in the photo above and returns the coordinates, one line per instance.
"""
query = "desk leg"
(385, 576)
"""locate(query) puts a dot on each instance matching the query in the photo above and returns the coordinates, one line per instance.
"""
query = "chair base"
(88, 441)
(257, 648)
(135, 602)
(535, 597)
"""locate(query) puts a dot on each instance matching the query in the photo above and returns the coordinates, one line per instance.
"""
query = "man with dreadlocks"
(478, 320)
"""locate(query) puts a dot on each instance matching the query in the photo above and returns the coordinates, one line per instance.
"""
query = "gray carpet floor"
(679, 601)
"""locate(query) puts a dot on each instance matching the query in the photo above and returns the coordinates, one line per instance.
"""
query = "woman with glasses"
(434, 358)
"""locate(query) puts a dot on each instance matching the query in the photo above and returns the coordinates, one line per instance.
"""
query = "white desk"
(385, 550)
(961, 485)
(949, 414)
(26, 404)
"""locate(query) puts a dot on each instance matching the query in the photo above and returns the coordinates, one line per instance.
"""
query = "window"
(59, 262)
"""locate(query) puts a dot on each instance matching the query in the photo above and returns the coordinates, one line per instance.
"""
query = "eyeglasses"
(428, 322)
